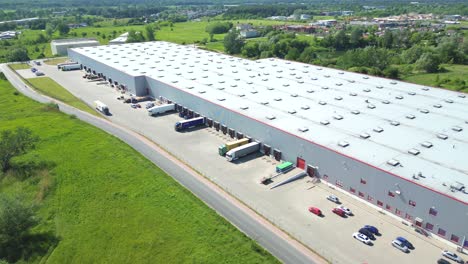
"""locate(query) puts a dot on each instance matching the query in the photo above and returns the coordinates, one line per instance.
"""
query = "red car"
(315, 210)
(339, 212)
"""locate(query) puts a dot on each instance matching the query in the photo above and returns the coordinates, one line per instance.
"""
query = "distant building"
(252, 33)
(325, 23)
(241, 27)
(20, 21)
(277, 18)
(305, 17)
(61, 46)
(8, 35)
(120, 39)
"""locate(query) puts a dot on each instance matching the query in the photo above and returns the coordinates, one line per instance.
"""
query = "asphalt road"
(271, 238)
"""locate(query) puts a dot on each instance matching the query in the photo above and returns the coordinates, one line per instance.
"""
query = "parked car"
(373, 229)
(367, 233)
(346, 210)
(133, 106)
(333, 198)
(452, 256)
(361, 237)
(149, 105)
(399, 245)
(37, 63)
(33, 69)
(405, 242)
(39, 73)
(339, 212)
(443, 261)
(315, 210)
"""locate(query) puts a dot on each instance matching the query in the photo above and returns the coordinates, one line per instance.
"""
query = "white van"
(101, 107)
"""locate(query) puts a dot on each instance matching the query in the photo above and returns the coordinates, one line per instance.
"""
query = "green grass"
(452, 72)
(55, 61)
(52, 89)
(20, 66)
(107, 203)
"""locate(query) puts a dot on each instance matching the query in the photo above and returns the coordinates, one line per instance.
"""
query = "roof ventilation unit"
(338, 84)
(270, 88)
(324, 122)
(286, 85)
(352, 94)
(364, 135)
(378, 129)
(303, 129)
(300, 81)
(379, 86)
(343, 144)
(244, 107)
(442, 136)
(385, 102)
(410, 116)
(365, 77)
(305, 107)
(270, 117)
(310, 91)
(413, 151)
(393, 82)
(399, 97)
(450, 101)
(366, 90)
(279, 71)
(292, 111)
(340, 72)
(313, 78)
(412, 93)
(457, 129)
(279, 76)
(426, 144)
(233, 85)
(351, 81)
(425, 89)
(254, 91)
(394, 123)
(221, 99)
(437, 106)
(305, 71)
(322, 103)
(221, 81)
(393, 162)
(338, 98)
(220, 88)
(355, 112)
(319, 69)
(294, 95)
(278, 99)
(325, 87)
(370, 106)
(326, 76)
(241, 95)
(338, 117)
(424, 111)
(461, 95)
(264, 102)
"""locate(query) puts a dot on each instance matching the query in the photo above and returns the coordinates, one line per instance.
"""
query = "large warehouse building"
(400, 146)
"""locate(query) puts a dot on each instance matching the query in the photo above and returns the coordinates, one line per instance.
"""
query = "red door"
(300, 163)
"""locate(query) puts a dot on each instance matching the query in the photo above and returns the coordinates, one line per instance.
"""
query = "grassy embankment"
(49, 87)
(451, 72)
(108, 204)
(20, 66)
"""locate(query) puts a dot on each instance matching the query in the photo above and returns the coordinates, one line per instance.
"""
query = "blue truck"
(184, 124)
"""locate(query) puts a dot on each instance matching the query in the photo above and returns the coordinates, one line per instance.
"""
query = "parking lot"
(285, 206)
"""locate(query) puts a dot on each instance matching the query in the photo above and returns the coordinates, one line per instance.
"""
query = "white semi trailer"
(71, 67)
(159, 109)
(242, 151)
(101, 107)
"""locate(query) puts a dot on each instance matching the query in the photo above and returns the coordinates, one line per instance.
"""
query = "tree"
(341, 40)
(134, 36)
(233, 43)
(63, 29)
(251, 50)
(18, 54)
(293, 54)
(428, 63)
(15, 143)
(16, 221)
(218, 28)
(149, 29)
(49, 30)
(356, 39)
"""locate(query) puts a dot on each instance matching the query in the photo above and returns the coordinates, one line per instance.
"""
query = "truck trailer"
(242, 151)
(223, 149)
(101, 107)
(159, 109)
(197, 121)
(71, 67)
(60, 65)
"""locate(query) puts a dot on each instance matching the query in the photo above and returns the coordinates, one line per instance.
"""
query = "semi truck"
(71, 67)
(60, 65)
(242, 151)
(159, 109)
(197, 121)
(101, 107)
(223, 149)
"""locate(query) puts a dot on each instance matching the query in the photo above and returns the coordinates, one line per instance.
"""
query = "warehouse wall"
(452, 216)
(61, 48)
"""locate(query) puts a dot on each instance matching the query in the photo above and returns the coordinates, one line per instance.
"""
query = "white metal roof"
(58, 42)
(379, 119)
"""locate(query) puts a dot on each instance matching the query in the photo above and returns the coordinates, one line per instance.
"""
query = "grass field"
(52, 89)
(108, 204)
(56, 61)
(20, 66)
(452, 72)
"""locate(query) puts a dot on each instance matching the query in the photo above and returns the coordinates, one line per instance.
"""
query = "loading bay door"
(300, 163)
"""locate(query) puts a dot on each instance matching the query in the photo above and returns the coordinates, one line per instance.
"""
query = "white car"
(400, 246)
(363, 238)
(452, 256)
(346, 210)
(333, 198)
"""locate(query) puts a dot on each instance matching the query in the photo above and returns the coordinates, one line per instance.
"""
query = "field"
(49, 87)
(20, 66)
(105, 202)
(452, 72)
